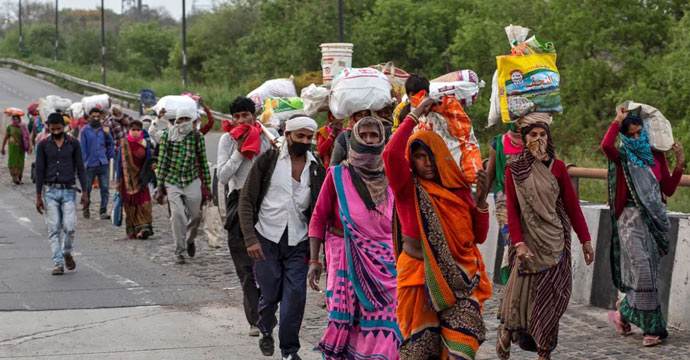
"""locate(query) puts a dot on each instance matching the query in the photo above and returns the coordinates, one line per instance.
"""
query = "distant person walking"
(639, 180)
(97, 150)
(58, 164)
(20, 143)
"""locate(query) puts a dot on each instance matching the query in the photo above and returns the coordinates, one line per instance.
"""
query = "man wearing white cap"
(183, 174)
(275, 207)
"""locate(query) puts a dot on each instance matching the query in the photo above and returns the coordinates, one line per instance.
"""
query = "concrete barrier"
(592, 285)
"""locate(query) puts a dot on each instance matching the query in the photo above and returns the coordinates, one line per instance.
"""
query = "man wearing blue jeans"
(58, 157)
(97, 149)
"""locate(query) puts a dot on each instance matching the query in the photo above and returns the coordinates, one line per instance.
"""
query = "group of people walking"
(398, 219)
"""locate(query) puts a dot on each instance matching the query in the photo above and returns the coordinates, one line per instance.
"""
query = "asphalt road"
(20, 90)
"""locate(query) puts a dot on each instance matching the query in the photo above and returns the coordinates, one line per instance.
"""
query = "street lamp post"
(340, 20)
(56, 30)
(103, 41)
(21, 40)
(184, 45)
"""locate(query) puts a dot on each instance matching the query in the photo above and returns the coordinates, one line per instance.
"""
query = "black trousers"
(244, 267)
(282, 278)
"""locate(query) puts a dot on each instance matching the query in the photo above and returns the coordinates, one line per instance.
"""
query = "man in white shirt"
(275, 206)
(233, 168)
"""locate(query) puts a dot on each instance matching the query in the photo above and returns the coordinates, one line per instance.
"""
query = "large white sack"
(51, 104)
(101, 101)
(495, 107)
(357, 89)
(658, 127)
(465, 91)
(315, 99)
(77, 110)
(173, 102)
(276, 88)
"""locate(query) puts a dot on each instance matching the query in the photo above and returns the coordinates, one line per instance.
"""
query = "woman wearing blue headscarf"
(639, 181)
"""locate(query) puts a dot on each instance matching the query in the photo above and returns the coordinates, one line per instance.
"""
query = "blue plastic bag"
(117, 210)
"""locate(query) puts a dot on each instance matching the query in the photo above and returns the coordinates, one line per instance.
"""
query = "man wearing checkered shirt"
(184, 175)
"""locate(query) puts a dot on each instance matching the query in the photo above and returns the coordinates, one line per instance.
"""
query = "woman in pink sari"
(354, 216)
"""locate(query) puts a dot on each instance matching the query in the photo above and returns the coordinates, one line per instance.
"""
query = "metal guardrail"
(113, 92)
(577, 173)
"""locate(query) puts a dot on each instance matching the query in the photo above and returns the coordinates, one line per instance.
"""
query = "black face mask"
(58, 136)
(95, 123)
(299, 148)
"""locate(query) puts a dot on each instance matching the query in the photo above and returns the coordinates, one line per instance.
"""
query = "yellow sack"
(529, 83)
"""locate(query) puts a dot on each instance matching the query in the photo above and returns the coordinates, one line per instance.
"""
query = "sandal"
(502, 350)
(649, 341)
(621, 326)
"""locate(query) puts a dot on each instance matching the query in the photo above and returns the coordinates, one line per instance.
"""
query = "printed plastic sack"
(396, 76)
(357, 89)
(658, 127)
(277, 110)
(528, 83)
(465, 91)
(450, 121)
(276, 88)
(101, 101)
(173, 102)
(51, 104)
(314, 99)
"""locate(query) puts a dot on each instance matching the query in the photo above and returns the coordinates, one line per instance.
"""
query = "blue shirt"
(96, 146)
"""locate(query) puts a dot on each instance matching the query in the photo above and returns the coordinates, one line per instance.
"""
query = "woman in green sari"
(639, 181)
(18, 136)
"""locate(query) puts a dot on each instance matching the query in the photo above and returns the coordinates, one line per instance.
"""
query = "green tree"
(146, 48)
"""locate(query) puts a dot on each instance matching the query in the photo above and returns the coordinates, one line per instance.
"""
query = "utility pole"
(56, 31)
(103, 41)
(138, 10)
(21, 40)
(340, 20)
(184, 45)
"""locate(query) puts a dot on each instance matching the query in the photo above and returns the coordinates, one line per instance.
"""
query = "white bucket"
(335, 57)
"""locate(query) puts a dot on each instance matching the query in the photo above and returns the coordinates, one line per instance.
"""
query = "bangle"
(482, 210)
(414, 117)
(314, 262)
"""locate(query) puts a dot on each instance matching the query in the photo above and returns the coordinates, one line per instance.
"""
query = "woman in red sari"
(134, 172)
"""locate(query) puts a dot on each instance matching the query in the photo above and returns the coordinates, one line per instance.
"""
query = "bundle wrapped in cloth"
(101, 101)
(357, 89)
(464, 85)
(658, 127)
(525, 81)
(172, 103)
(450, 121)
(396, 77)
(315, 99)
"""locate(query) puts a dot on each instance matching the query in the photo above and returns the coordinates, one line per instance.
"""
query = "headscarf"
(366, 165)
(179, 131)
(300, 122)
(638, 150)
(119, 109)
(522, 166)
(448, 170)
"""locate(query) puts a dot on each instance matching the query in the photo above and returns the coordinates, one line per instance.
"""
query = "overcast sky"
(174, 7)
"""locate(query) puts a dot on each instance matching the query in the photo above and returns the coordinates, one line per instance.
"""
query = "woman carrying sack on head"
(639, 180)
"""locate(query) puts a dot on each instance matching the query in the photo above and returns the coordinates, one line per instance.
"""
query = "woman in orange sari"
(442, 282)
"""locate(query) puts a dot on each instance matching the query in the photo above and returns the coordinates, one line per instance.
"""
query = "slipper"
(618, 324)
(649, 341)
(502, 350)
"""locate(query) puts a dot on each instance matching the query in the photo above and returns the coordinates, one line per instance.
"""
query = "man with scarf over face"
(183, 174)
(58, 157)
(97, 150)
(275, 207)
(238, 148)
